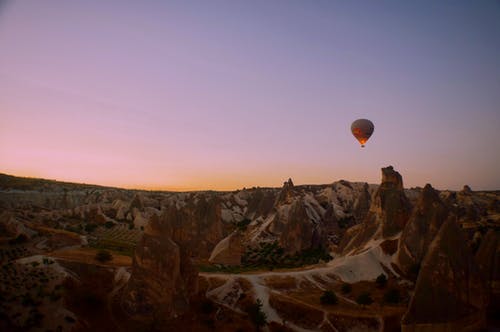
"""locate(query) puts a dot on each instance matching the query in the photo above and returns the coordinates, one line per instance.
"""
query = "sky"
(189, 95)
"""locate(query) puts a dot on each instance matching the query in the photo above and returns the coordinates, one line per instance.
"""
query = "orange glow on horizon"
(198, 183)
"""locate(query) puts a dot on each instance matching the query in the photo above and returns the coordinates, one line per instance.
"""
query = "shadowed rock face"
(391, 179)
(286, 193)
(197, 226)
(488, 260)
(362, 204)
(295, 228)
(10, 227)
(390, 203)
(449, 286)
(388, 214)
(229, 250)
(155, 276)
(467, 205)
(137, 203)
(163, 277)
(425, 222)
(260, 203)
(488, 255)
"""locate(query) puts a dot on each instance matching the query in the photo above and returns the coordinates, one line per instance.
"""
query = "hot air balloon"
(362, 129)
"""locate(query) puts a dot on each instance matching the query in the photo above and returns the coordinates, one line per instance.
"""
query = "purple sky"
(227, 94)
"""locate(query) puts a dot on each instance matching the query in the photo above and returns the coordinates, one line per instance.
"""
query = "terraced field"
(119, 238)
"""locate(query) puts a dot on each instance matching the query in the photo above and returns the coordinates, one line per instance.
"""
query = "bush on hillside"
(103, 256)
(257, 316)
(328, 297)
(364, 299)
(346, 288)
(381, 280)
(392, 296)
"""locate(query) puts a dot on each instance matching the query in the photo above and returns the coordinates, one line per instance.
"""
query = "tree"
(364, 299)
(89, 228)
(392, 296)
(103, 256)
(257, 316)
(242, 225)
(21, 238)
(381, 280)
(207, 306)
(414, 271)
(346, 288)
(328, 297)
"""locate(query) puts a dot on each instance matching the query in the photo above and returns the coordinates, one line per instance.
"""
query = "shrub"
(346, 288)
(345, 222)
(271, 254)
(257, 316)
(34, 319)
(381, 280)
(364, 299)
(328, 297)
(109, 224)
(242, 225)
(54, 296)
(414, 270)
(103, 256)
(21, 238)
(27, 300)
(73, 229)
(89, 228)
(207, 307)
(209, 322)
(392, 296)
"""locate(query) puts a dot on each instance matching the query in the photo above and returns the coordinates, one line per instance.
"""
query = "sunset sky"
(230, 94)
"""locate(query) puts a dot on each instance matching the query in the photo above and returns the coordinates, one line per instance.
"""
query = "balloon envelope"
(362, 129)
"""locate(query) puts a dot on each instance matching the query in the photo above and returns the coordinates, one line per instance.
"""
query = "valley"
(344, 256)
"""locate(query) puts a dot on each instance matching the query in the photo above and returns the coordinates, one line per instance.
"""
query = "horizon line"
(193, 189)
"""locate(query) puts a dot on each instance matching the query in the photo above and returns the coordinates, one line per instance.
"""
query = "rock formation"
(386, 237)
(10, 227)
(297, 221)
(388, 214)
(196, 226)
(229, 250)
(137, 203)
(163, 277)
(293, 226)
(362, 204)
(286, 193)
(449, 293)
(423, 225)
(488, 259)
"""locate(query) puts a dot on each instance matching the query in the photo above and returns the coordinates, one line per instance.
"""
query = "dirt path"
(365, 265)
(263, 292)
